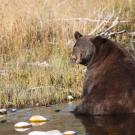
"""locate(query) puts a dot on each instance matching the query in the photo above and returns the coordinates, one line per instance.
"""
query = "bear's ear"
(98, 40)
(77, 35)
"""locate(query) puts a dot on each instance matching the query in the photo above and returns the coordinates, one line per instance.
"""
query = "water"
(64, 120)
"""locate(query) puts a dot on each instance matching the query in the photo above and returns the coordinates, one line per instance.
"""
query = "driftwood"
(88, 20)
(101, 24)
(108, 32)
(124, 32)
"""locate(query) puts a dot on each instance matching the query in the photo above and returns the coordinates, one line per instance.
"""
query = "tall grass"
(36, 31)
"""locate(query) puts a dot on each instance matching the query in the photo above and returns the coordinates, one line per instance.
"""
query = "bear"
(109, 81)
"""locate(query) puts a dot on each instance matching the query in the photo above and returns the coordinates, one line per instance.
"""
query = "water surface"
(64, 120)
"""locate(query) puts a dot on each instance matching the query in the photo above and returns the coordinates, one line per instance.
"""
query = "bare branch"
(126, 33)
(61, 3)
(106, 32)
(116, 33)
(88, 20)
(102, 24)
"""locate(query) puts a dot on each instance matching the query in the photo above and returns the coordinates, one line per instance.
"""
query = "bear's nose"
(73, 59)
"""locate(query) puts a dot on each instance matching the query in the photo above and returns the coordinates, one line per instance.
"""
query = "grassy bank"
(36, 39)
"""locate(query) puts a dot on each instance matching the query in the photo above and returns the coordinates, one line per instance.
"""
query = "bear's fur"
(109, 85)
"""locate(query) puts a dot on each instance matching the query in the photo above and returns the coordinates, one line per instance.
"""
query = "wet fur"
(109, 85)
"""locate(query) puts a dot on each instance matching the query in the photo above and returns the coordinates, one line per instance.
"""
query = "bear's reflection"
(109, 125)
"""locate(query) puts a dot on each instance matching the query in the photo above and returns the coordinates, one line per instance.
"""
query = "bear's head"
(85, 48)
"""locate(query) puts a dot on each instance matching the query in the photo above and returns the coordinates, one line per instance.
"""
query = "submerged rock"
(37, 133)
(3, 111)
(3, 118)
(13, 110)
(70, 133)
(22, 125)
(70, 97)
(38, 123)
(57, 110)
(52, 132)
(21, 129)
(38, 118)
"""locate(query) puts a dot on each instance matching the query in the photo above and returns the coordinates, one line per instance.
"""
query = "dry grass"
(35, 31)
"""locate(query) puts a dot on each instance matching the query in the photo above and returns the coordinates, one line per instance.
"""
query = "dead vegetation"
(33, 33)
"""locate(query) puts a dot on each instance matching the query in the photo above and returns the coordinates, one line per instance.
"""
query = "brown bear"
(109, 84)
